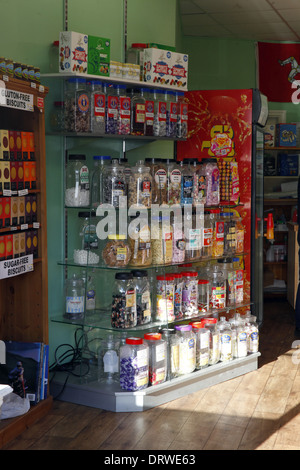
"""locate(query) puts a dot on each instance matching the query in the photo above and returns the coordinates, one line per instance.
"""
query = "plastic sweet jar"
(96, 188)
(187, 183)
(226, 349)
(218, 233)
(98, 99)
(165, 298)
(87, 230)
(212, 175)
(143, 296)
(111, 110)
(116, 252)
(162, 240)
(157, 358)
(108, 360)
(159, 175)
(114, 187)
(77, 106)
(138, 113)
(77, 186)
(174, 183)
(74, 296)
(207, 236)
(229, 232)
(124, 103)
(123, 311)
(187, 349)
(160, 114)
(203, 295)
(178, 285)
(214, 339)
(179, 244)
(140, 186)
(202, 345)
(229, 273)
(217, 295)
(134, 364)
(182, 115)
(173, 342)
(140, 246)
(190, 294)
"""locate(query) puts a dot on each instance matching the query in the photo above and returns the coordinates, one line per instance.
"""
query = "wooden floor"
(260, 410)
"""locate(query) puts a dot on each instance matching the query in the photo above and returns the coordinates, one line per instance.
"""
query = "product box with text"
(163, 67)
(98, 56)
(73, 52)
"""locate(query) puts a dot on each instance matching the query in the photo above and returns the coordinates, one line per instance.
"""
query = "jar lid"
(77, 157)
(167, 277)
(208, 320)
(139, 273)
(139, 44)
(123, 276)
(86, 214)
(196, 324)
(152, 336)
(189, 273)
(183, 327)
(101, 157)
(167, 331)
(134, 340)
(177, 275)
(203, 281)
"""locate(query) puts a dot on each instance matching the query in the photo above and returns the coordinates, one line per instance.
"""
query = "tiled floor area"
(260, 410)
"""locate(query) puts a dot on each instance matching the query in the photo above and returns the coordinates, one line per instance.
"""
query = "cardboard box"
(31, 145)
(32, 173)
(269, 135)
(33, 200)
(28, 242)
(286, 135)
(16, 245)
(18, 143)
(34, 243)
(73, 52)
(6, 210)
(1, 213)
(22, 243)
(163, 67)
(9, 247)
(20, 175)
(287, 164)
(28, 209)
(4, 175)
(14, 179)
(26, 167)
(98, 56)
(12, 145)
(2, 247)
(25, 145)
(21, 209)
(4, 144)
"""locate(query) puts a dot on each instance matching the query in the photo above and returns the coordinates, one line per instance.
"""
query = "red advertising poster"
(220, 126)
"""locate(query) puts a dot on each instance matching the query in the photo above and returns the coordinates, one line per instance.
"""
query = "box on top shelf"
(73, 52)
(165, 68)
(98, 56)
(287, 164)
(286, 135)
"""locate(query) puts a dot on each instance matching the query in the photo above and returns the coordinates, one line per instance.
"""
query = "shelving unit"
(281, 205)
(24, 297)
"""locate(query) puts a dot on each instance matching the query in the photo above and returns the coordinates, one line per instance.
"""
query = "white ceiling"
(259, 20)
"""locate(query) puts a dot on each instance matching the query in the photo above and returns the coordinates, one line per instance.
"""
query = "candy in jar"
(174, 183)
(225, 340)
(123, 311)
(143, 296)
(178, 284)
(140, 186)
(173, 341)
(134, 364)
(140, 246)
(187, 349)
(212, 182)
(165, 298)
(190, 294)
(202, 345)
(157, 358)
(162, 240)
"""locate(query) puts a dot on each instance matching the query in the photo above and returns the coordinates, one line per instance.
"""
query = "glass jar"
(190, 294)
(182, 115)
(135, 55)
(157, 358)
(193, 239)
(159, 175)
(229, 233)
(124, 111)
(90, 292)
(143, 297)
(171, 113)
(100, 162)
(218, 233)
(57, 117)
(77, 106)
(149, 110)
(202, 345)
(162, 240)
(87, 230)
(207, 234)
(225, 340)
(140, 186)
(187, 349)
(178, 285)
(111, 110)
(201, 184)
(203, 295)
(240, 234)
(187, 182)
(138, 113)
(134, 364)
(229, 274)
(217, 296)
(172, 340)
(115, 188)
(214, 339)
(123, 312)
(108, 360)
(116, 252)
(212, 176)
(173, 183)
(252, 333)
(140, 246)
(98, 105)
(74, 295)
(160, 114)
(165, 298)
(178, 245)
(77, 192)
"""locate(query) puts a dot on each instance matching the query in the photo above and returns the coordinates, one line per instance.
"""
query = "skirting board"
(110, 397)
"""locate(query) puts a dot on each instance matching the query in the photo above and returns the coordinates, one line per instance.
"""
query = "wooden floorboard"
(257, 411)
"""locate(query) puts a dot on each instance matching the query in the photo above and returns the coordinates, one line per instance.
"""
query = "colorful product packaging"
(14, 179)
(21, 209)
(14, 211)
(163, 67)
(16, 245)
(98, 56)
(1, 213)
(25, 145)
(6, 210)
(4, 144)
(73, 52)
(286, 135)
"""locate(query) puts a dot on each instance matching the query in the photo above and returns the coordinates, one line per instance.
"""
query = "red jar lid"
(189, 273)
(203, 281)
(196, 324)
(152, 336)
(134, 340)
